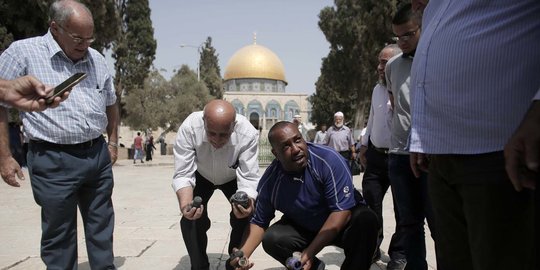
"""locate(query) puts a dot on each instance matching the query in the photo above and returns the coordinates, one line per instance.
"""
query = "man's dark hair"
(403, 15)
(276, 126)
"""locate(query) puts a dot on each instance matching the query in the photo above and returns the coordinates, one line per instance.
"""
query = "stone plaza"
(147, 232)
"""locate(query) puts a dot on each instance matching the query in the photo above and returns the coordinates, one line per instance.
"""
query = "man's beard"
(338, 125)
(382, 82)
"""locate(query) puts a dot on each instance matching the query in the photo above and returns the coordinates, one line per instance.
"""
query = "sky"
(289, 28)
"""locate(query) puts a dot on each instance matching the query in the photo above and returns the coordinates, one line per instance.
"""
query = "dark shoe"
(142, 161)
(396, 264)
(133, 161)
(318, 264)
(376, 256)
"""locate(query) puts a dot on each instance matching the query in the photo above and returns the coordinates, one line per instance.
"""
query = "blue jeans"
(413, 206)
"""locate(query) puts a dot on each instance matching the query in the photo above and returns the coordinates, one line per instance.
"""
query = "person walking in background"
(138, 146)
(409, 191)
(374, 152)
(340, 138)
(297, 120)
(150, 147)
(214, 149)
(320, 135)
(69, 161)
(475, 81)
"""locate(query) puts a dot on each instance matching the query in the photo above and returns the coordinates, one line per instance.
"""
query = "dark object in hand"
(293, 263)
(239, 254)
(197, 201)
(240, 198)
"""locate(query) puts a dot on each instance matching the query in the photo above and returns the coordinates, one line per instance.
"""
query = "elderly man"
(69, 161)
(215, 149)
(312, 186)
(340, 138)
(297, 119)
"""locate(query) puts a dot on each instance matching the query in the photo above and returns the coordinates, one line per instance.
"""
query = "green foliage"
(5, 38)
(23, 19)
(165, 104)
(135, 48)
(356, 31)
(106, 21)
(210, 71)
(188, 94)
(144, 107)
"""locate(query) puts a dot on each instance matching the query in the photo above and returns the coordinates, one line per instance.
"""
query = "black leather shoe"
(396, 264)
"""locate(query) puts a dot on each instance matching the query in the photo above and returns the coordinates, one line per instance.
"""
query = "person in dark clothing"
(150, 147)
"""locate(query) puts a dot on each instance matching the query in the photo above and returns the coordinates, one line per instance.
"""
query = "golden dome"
(255, 61)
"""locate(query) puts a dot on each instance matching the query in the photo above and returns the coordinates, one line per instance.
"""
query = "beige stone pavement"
(147, 232)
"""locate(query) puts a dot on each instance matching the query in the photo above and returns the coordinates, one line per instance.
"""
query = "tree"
(188, 95)
(145, 107)
(165, 104)
(23, 19)
(105, 15)
(135, 47)
(356, 31)
(210, 71)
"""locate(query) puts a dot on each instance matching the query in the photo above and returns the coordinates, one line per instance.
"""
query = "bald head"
(219, 121)
(220, 111)
(72, 26)
(63, 10)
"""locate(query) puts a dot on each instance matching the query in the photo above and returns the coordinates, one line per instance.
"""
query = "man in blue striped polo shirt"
(312, 186)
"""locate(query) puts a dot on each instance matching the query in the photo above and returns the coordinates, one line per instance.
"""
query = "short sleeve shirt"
(307, 198)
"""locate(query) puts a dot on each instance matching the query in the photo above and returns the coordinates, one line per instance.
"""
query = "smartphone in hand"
(66, 85)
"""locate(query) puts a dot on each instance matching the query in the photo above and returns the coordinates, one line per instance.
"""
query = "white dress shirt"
(238, 159)
(380, 117)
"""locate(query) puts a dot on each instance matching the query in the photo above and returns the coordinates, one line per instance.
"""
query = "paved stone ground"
(147, 232)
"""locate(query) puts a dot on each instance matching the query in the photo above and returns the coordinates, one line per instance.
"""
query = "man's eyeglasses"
(406, 36)
(78, 40)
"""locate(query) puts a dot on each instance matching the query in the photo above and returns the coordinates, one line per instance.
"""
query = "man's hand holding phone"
(61, 91)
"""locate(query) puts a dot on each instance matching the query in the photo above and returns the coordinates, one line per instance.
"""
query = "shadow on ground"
(118, 262)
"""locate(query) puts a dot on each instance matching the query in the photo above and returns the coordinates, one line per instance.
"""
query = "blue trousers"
(64, 177)
(413, 206)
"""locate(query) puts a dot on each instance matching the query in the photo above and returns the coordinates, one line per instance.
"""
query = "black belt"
(83, 145)
(381, 150)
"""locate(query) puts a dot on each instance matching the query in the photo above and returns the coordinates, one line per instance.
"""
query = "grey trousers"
(64, 177)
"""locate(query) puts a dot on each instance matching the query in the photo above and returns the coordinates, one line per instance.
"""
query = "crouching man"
(312, 186)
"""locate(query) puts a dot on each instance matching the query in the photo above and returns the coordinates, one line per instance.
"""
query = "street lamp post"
(199, 50)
